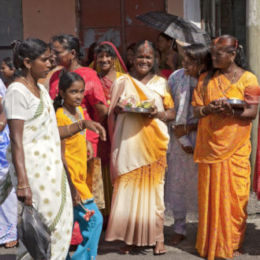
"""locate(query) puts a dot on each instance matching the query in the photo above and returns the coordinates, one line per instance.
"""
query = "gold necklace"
(31, 88)
(220, 83)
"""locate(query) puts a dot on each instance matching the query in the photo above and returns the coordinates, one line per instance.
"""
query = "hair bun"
(15, 44)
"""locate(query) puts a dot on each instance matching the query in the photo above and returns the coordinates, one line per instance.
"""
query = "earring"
(62, 101)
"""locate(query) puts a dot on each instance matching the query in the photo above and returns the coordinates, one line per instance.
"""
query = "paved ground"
(186, 251)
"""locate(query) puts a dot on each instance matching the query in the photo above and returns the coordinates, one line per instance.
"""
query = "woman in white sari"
(138, 155)
(36, 166)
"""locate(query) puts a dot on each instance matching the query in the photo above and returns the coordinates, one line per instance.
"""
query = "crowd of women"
(46, 145)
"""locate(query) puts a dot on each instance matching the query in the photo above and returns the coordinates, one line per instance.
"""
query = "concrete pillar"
(188, 9)
(192, 11)
(253, 54)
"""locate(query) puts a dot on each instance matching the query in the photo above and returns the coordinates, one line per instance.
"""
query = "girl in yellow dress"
(74, 151)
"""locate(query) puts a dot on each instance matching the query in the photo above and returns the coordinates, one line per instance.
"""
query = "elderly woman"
(222, 151)
(138, 155)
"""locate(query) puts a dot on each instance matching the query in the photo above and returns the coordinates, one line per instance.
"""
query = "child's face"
(6, 71)
(74, 94)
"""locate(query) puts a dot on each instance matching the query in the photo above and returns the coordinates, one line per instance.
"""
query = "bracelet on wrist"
(22, 187)
(80, 125)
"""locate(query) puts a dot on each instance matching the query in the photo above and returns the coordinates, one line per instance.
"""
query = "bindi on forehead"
(145, 51)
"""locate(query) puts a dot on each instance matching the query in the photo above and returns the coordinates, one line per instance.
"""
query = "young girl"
(7, 70)
(74, 150)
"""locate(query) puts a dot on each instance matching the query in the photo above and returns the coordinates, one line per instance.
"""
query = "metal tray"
(140, 110)
(235, 102)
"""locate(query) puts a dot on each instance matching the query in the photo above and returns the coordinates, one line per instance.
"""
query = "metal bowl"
(235, 102)
(140, 110)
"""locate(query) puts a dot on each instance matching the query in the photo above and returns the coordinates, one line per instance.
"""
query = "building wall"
(175, 7)
(115, 20)
(45, 18)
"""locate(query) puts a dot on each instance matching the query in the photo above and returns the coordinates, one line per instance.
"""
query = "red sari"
(93, 95)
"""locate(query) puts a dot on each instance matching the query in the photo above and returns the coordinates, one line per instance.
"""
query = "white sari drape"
(46, 175)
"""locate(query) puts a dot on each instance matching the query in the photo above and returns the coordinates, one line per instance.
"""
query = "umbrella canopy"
(175, 26)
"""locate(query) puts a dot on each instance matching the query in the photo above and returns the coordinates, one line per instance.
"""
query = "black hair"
(165, 36)
(155, 67)
(65, 82)
(91, 53)
(131, 46)
(9, 62)
(105, 48)
(69, 42)
(200, 54)
(30, 48)
(240, 58)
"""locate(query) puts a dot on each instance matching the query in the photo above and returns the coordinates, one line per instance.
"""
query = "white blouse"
(19, 102)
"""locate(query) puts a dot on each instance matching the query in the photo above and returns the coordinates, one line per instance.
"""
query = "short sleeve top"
(19, 102)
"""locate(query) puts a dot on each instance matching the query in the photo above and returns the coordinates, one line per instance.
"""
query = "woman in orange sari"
(222, 151)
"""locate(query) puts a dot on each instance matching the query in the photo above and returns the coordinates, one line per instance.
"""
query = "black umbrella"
(175, 26)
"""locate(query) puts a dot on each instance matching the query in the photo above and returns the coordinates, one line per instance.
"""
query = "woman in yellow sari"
(138, 155)
(222, 151)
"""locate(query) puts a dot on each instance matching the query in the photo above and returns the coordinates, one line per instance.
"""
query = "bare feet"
(11, 244)
(126, 249)
(159, 248)
(177, 238)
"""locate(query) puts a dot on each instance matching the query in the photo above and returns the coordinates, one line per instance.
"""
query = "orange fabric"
(155, 142)
(219, 137)
(222, 151)
(223, 195)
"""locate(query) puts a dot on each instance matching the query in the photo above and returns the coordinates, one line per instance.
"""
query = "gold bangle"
(201, 111)
(23, 187)
(80, 125)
